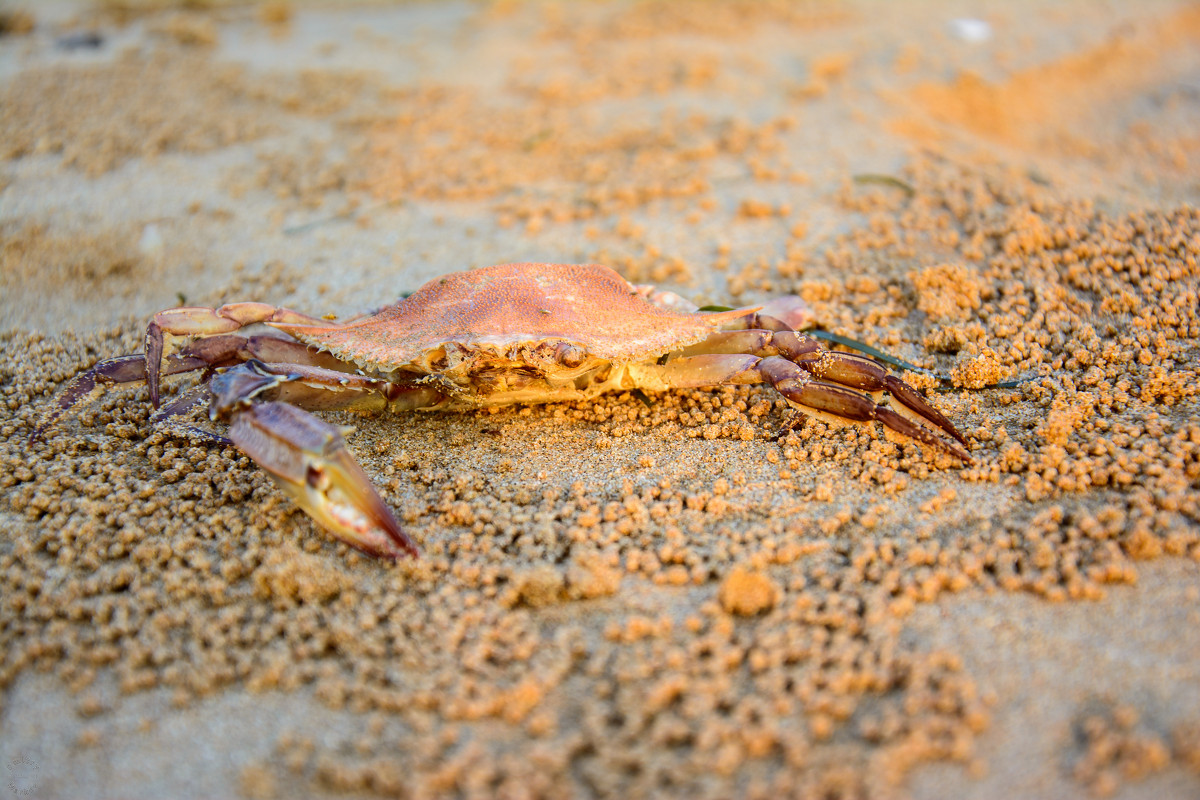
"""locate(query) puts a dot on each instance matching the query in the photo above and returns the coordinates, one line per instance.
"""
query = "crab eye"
(569, 355)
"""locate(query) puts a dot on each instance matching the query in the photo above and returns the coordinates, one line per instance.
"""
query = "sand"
(695, 594)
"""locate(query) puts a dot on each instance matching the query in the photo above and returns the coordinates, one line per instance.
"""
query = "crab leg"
(88, 385)
(306, 456)
(695, 372)
(848, 369)
(800, 390)
(754, 342)
(213, 351)
(787, 313)
(859, 372)
(319, 389)
(208, 322)
(797, 385)
(771, 330)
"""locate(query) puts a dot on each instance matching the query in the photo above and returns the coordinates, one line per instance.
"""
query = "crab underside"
(513, 333)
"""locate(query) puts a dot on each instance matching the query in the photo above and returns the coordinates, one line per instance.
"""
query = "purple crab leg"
(796, 383)
(89, 384)
(831, 367)
(800, 389)
(858, 372)
(185, 322)
(206, 353)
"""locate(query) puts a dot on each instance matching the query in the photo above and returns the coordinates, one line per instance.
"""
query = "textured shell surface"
(511, 305)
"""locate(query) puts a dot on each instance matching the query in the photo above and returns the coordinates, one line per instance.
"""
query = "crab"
(512, 333)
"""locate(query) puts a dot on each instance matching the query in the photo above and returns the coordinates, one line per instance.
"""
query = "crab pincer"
(308, 459)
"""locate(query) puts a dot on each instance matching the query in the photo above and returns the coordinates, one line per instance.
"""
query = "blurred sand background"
(699, 596)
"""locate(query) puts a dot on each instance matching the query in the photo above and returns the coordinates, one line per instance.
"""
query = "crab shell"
(515, 333)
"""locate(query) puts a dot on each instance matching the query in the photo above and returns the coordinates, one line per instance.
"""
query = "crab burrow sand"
(512, 333)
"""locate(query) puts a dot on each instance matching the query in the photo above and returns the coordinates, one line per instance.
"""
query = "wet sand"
(694, 594)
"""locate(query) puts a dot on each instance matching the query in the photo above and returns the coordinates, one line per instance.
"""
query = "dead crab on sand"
(513, 333)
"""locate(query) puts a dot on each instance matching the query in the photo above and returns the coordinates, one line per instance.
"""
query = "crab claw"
(309, 460)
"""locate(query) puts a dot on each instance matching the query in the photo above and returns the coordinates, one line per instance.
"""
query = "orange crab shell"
(588, 305)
